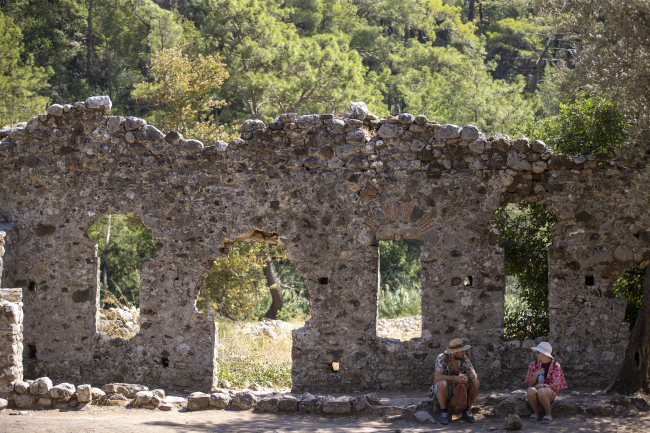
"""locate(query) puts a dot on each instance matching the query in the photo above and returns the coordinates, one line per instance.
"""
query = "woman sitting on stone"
(544, 379)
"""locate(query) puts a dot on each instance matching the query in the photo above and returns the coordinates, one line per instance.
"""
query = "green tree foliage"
(525, 238)
(20, 80)
(399, 278)
(586, 125)
(629, 286)
(236, 287)
(180, 93)
(399, 264)
(130, 242)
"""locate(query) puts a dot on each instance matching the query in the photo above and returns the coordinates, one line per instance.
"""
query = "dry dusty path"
(121, 420)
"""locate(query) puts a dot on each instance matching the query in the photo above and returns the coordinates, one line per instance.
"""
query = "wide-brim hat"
(457, 345)
(544, 348)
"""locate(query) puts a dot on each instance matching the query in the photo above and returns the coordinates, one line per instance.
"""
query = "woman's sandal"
(547, 419)
(534, 417)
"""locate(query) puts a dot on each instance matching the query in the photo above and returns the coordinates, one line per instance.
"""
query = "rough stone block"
(142, 398)
(289, 403)
(198, 401)
(23, 401)
(513, 422)
(127, 389)
(42, 385)
(84, 393)
(360, 404)
(62, 391)
(244, 400)
(21, 387)
(97, 393)
(268, 404)
(337, 406)
(424, 417)
(220, 400)
(3, 404)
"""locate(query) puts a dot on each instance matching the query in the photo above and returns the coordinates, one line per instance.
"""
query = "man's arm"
(440, 376)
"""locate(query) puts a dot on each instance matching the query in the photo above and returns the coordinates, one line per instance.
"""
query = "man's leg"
(442, 394)
(472, 392)
(532, 399)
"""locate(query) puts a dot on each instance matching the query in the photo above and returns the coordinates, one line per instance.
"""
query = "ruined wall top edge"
(84, 137)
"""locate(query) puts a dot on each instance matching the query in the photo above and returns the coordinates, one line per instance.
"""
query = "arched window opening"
(258, 297)
(400, 293)
(629, 286)
(525, 237)
(123, 241)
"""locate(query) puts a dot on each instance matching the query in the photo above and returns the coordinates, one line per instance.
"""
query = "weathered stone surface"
(390, 130)
(513, 422)
(21, 387)
(142, 398)
(477, 146)
(84, 393)
(289, 403)
(310, 404)
(360, 404)
(268, 404)
(309, 121)
(115, 399)
(97, 393)
(55, 110)
(149, 133)
(23, 401)
(62, 391)
(134, 123)
(359, 110)
(501, 143)
(193, 146)
(99, 103)
(469, 133)
(538, 146)
(3, 404)
(127, 389)
(220, 400)
(357, 135)
(42, 385)
(244, 400)
(512, 405)
(338, 406)
(252, 125)
(336, 126)
(447, 131)
(406, 118)
(424, 417)
(198, 401)
(516, 163)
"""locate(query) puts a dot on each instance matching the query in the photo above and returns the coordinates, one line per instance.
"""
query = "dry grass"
(244, 359)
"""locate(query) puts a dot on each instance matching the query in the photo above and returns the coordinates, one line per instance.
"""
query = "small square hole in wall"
(165, 362)
(323, 280)
(589, 280)
(32, 286)
(468, 281)
(32, 351)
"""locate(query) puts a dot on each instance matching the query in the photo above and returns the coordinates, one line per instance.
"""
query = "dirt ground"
(122, 420)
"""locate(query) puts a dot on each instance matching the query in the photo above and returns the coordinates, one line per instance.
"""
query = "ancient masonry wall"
(327, 190)
(11, 334)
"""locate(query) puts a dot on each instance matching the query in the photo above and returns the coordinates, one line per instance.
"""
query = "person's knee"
(475, 383)
(531, 390)
(442, 384)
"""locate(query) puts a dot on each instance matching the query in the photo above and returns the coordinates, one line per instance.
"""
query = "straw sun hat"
(457, 345)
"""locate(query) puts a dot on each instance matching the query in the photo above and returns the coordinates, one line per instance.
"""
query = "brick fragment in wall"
(327, 192)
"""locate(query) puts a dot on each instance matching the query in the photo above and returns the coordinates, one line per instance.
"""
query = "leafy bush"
(399, 264)
(629, 286)
(587, 125)
(525, 238)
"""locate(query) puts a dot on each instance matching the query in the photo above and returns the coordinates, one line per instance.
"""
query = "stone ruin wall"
(325, 189)
(11, 333)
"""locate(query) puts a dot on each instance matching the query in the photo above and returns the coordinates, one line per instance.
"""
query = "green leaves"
(20, 81)
(586, 125)
(525, 238)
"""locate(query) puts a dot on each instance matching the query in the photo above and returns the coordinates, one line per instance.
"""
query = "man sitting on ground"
(454, 367)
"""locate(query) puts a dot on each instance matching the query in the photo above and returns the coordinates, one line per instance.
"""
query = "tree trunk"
(105, 276)
(634, 374)
(539, 62)
(90, 39)
(276, 290)
(470, 12)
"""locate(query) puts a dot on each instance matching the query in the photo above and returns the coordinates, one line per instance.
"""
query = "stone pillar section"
(11, 333)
